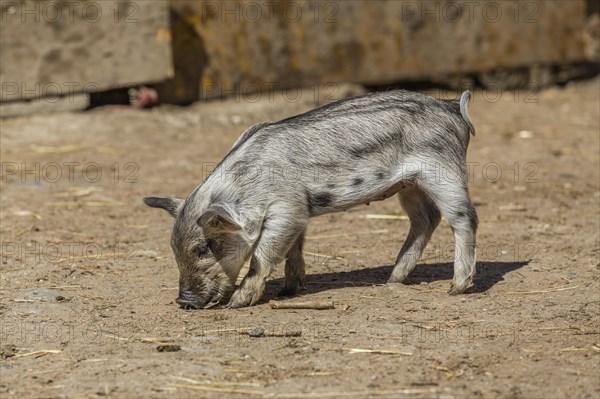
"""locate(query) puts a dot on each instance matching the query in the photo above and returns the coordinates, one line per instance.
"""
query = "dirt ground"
(89, 280)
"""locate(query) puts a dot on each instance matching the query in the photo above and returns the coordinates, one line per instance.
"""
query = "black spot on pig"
(357, 182)
(322, 200)
(215, 197)
(365, 150)
(469, 214)
(319, 201)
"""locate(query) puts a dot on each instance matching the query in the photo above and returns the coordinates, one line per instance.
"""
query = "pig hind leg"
(295, 276)
(452, 198)
(424, 218)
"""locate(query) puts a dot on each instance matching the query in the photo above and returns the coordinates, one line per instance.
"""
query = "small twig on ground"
(592, 348)
(392, 393)
(317, 305)
(543, 291)
(388, 217)
(41, 353)
(218, 389)
(258, 332)
(379, 351)
(323, 255)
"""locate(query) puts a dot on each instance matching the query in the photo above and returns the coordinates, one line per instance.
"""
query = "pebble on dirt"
(168, 348)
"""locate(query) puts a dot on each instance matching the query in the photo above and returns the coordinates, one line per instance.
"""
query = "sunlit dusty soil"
(89, 281)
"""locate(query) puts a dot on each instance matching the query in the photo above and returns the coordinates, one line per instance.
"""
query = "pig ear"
(219, 216)
(171, 205)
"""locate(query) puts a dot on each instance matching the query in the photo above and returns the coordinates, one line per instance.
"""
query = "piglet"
(257, 202)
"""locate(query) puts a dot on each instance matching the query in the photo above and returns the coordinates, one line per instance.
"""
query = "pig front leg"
(295, 276)
(253, 284)
(277, 238)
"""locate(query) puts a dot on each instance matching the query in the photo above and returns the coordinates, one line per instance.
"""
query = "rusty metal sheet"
(57, 48)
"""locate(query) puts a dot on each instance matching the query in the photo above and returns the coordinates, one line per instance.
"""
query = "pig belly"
(321, 201)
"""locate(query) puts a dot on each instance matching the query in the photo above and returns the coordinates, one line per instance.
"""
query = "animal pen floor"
(89, 280)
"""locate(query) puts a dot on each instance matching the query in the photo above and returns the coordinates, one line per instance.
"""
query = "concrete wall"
(241, 45)
(219, 48)
(51, 48)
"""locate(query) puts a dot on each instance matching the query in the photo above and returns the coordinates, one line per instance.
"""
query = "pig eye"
(202, 250)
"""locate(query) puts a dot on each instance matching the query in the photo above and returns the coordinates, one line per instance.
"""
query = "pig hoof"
(285, 291)
(241, 299)
(395, 280)
(303, 285)
(235, 304)
(454, 291)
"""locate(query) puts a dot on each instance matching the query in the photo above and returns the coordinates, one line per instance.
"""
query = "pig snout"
(188, 300)
(198, 295)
